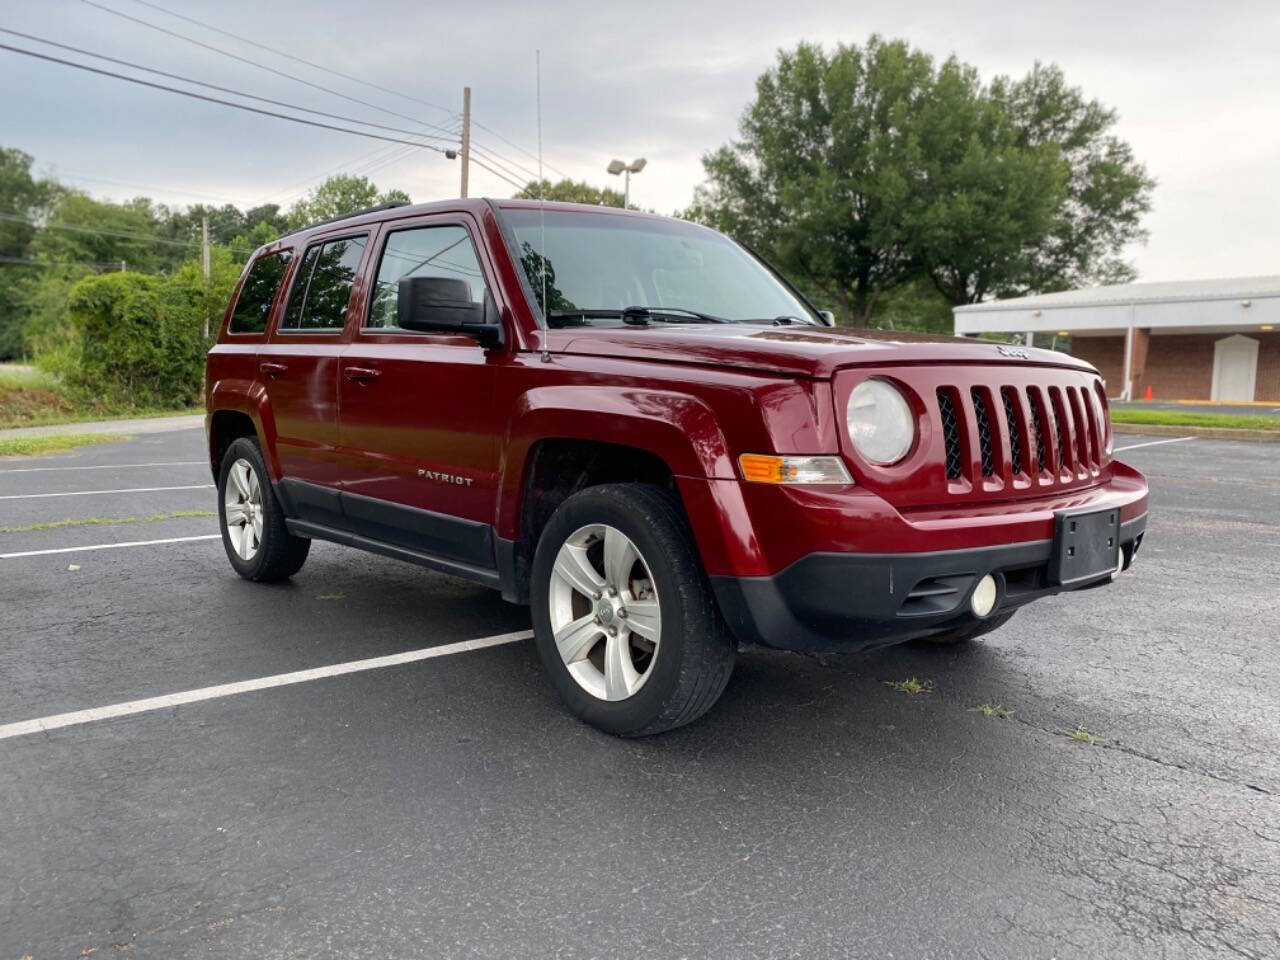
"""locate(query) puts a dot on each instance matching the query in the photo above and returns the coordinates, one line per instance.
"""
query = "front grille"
(984, 432)
(1015, 441)
(950, 435)
(1038, 417)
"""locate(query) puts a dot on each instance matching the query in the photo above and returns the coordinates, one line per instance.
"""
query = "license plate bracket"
(1086, 546)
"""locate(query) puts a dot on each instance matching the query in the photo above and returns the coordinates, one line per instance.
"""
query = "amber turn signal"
(768, 468)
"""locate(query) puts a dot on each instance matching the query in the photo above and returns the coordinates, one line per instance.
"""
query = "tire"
(679, 662)
(960, 635)
(258, 544)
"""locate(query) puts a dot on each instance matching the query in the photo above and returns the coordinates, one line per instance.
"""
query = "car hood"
(798, 351)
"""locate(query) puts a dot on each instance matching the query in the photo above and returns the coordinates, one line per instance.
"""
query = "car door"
(416, 409)
(300, 367)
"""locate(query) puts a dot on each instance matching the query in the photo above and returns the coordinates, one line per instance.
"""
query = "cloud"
(1195, 86)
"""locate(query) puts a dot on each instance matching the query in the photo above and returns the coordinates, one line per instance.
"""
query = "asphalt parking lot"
(448, 807)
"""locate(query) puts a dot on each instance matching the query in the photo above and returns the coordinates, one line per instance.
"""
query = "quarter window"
(443, 251)
(253, 307)
(322, 286)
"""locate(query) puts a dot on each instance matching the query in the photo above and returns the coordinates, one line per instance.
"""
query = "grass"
(1177, 418)
(994, 710)
(34, 446)
(107, 521)
(911, 686)
(1082, 735)
(31, 398)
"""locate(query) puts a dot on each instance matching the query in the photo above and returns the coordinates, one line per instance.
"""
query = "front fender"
(679, 429)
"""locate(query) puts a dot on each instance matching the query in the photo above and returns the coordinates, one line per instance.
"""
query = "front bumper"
(844, 602)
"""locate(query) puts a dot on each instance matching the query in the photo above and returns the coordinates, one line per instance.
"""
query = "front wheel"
(624, 618)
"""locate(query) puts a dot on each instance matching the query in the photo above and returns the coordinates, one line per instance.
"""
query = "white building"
(1186, 340)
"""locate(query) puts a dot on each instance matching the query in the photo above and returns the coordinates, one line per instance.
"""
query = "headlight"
(881, 425)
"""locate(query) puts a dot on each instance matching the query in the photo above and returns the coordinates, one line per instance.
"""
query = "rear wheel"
(258, 544)
(624, 618)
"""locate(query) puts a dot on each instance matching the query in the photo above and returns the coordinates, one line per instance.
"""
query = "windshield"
(599, 265)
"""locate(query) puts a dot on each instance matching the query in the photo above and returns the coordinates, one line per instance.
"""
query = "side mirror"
(828, 317)
(444, 305)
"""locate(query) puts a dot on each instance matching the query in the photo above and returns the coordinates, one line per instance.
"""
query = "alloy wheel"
(242, 502)
(605, 614)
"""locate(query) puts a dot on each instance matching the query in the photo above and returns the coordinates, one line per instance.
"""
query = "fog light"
(984, 596)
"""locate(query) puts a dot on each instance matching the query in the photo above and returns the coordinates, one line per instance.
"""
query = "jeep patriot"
(641, 430)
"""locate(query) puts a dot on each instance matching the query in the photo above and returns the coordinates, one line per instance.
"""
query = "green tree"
(818, 180)
(21, 196)
(338, 195)
(1108, 190)
(982, 198)
(570, 191)
(861, 171)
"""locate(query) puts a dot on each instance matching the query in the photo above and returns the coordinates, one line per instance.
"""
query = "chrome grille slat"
(950, 435)
(1015, 438)
(1038, 426)
(984, 432)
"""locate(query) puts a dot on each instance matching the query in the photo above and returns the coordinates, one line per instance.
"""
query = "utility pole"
(466, 136)
(204, 261)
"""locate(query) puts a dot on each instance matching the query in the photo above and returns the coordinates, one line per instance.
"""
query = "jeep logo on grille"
(1018, 352)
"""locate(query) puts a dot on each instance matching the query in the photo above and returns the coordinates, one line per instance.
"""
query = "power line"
(507, 164)
(518, 147)
(295, 59)
(102, 231)
(150, 188)
(253, 63)
(504, 164)
(225, 103)
(221, 89)
(313, 65)
(484, 166)
(27, 261)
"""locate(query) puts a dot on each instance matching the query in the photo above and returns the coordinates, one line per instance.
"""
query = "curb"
(131, 427)
(1210, 433)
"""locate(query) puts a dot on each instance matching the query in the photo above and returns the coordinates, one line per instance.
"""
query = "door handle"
(361, 374)
(270, 369)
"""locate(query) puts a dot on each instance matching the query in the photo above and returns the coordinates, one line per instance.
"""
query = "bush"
(137, 342)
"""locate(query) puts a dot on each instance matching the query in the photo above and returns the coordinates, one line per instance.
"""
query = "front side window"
(596, 266)
(253, 308)
(444, 251)
(322, 286)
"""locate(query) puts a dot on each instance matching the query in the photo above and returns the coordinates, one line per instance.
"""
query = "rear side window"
(440, 251)
(322, 286)
(253, 308)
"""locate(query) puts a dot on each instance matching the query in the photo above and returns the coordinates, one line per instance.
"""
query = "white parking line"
(112, 466)
(108, 546)
(248, 686)
(1151, 443)
(94, 493)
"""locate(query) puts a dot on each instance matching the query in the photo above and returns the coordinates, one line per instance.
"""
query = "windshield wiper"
(639, 316)
(785, 320)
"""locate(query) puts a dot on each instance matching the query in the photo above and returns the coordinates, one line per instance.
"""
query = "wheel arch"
(561, 440)
(240, 409)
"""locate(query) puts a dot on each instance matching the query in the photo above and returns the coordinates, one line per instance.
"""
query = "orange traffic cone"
(1148, 395)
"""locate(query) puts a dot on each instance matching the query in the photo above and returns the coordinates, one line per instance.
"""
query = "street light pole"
(617, 167)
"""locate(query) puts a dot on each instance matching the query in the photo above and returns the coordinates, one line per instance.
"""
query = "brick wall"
(1105, 353)
(1179, 366)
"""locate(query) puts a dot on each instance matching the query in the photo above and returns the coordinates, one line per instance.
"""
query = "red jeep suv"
(638, 428)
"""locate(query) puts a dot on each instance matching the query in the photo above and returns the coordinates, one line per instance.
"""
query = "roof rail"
(390, 205)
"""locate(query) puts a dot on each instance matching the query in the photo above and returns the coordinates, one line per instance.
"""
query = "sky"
(1196, 86)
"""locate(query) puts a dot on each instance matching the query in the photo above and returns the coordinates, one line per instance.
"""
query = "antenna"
(542, 190)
